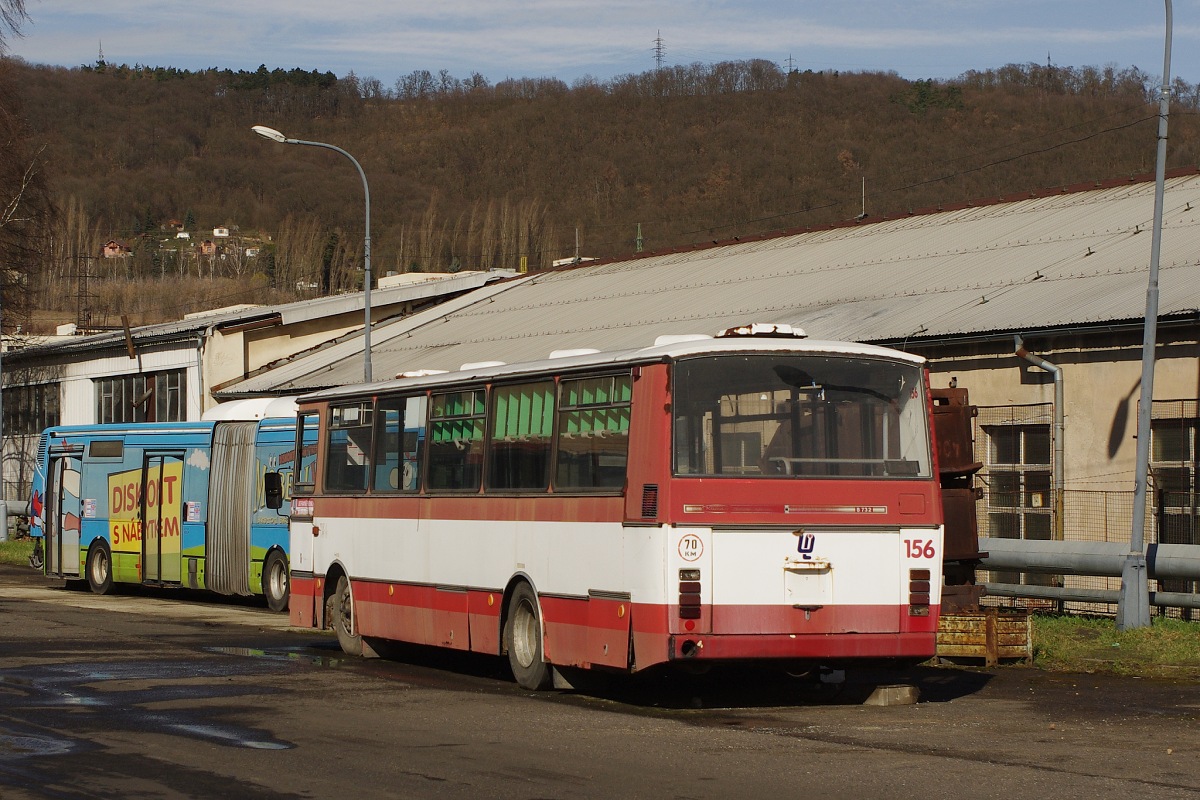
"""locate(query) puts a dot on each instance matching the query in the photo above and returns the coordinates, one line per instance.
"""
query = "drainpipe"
(1059, 482)
(201, 338)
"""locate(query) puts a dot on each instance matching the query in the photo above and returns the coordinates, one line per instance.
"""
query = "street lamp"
(276, 136)
(1133, 610)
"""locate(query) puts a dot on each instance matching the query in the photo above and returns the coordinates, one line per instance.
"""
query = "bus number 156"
(920, 548)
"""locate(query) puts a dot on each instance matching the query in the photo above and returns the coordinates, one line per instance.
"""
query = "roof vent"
(480, 365)
(663, 341)
(579, 351)
(764, 329)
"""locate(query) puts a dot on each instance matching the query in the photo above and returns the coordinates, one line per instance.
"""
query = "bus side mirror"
(273, 485)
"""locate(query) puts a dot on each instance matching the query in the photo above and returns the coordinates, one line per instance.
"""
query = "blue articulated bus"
(199, 505)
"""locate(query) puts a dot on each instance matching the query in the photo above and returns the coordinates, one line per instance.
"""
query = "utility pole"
(1133, 611)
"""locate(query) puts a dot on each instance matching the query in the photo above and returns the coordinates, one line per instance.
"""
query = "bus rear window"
(800, 416)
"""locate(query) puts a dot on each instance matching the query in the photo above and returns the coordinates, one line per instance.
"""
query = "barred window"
(144, 397)
(30, 408)
(1174, 457)
(1017, 454)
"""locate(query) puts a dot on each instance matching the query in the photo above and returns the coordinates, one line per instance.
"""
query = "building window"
(1020, 504)
(1017, 478)
(145, 397)
(31, 408)
(1174, 456)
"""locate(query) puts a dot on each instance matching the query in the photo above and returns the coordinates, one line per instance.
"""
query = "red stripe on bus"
(597, 631)
(534, 508)
(698, 501)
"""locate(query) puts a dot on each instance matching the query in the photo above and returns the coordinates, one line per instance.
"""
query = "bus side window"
(522, 424)
(399, 437)
(593, 433)
(347, 447)
(456, 440)
(307, 427)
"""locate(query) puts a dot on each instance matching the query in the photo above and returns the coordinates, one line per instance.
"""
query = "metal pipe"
(1057, 465)
(1070, 595)
(1088, 558)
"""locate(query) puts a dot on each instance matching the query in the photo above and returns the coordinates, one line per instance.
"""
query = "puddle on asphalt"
(25, 746)
(281, 655)
(118, 694)
(229, 737)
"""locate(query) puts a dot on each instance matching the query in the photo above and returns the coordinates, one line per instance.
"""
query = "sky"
(571, 39)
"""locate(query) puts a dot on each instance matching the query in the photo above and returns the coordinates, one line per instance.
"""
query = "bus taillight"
(689, 594)
(918, 592)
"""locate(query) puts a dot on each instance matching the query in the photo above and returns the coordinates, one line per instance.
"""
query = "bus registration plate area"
(807, 584)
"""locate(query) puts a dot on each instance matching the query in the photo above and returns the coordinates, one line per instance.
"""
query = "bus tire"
(342, 618)
(276, 584)
(523, 640)
(99, 568)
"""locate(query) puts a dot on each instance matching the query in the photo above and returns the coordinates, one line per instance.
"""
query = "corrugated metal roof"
(287, 313)
(1069, 259)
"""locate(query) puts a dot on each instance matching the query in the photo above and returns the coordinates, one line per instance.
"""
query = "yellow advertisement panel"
(164, 503)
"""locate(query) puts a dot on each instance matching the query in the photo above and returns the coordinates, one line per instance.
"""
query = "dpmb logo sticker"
(691, 547)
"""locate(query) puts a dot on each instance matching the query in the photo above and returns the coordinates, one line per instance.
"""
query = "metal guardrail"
(1102, 559)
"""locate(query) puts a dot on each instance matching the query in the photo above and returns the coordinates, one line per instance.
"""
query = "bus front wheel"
(523, 640)
(99, 568)
(342, 618)
(276, 587)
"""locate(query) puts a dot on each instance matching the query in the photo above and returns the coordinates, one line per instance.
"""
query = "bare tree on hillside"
(12, 14)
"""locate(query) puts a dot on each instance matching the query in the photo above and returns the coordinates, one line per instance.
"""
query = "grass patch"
(1169, 648)
(16, 552)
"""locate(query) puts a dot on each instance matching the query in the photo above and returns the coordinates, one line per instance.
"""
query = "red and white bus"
(704, 500)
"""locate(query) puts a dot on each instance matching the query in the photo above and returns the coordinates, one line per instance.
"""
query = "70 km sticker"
(920, 548)
(691, 547)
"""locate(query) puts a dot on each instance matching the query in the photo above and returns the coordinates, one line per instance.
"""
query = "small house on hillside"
(114, 248)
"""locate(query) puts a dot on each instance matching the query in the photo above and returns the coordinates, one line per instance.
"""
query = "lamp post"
(1133, 610)
(276, 136)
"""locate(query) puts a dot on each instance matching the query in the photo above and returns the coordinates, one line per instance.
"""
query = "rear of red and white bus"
(798, 504)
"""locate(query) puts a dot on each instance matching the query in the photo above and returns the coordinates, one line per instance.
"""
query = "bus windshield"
(808, 416)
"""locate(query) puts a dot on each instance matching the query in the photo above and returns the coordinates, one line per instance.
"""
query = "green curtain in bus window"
(456, 441)
(522, 426)
(593, 441)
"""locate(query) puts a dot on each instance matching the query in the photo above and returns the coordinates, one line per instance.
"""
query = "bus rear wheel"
(342, 618)
(275, 583)
(99, 568)
(523, 640)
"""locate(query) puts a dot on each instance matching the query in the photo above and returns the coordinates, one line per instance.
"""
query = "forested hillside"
(467, 174)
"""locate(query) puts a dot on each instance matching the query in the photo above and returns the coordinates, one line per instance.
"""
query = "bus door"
(162, 493)
(62, 513)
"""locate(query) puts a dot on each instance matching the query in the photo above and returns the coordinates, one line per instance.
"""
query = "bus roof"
(580, 360)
